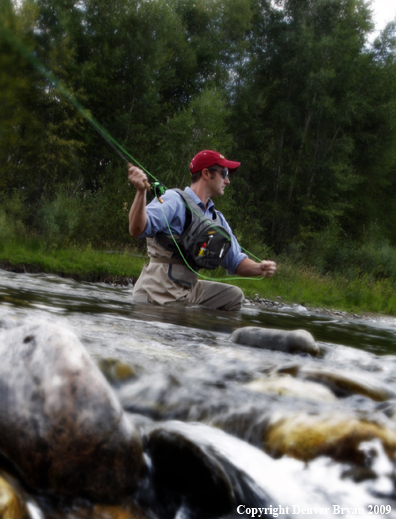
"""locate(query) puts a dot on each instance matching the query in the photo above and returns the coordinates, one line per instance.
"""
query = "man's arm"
(137, 213)
(250, 268)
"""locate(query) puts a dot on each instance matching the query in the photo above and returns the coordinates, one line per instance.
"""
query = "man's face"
(219, 180)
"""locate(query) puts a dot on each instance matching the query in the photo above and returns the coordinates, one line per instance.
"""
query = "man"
(167, 278)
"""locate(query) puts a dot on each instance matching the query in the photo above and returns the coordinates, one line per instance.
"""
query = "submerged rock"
(60, 422)
(116, 371)
(346, 383)
(289, 386)
(296, 341)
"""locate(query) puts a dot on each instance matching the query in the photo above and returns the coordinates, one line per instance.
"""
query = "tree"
(375, 143)
(306, 70)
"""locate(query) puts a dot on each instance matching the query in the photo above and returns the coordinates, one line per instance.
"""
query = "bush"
(58, 218)
(105, 214)
(373, 258)
(6, 231)
(13, 213)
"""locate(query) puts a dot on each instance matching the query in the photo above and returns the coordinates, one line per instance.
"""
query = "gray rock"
(296, 341)
(60, 422)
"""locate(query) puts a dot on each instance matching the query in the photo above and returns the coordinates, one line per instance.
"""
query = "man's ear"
(205, 173)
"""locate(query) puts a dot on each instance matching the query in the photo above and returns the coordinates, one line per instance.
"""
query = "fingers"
(138, 178)
(268, 268)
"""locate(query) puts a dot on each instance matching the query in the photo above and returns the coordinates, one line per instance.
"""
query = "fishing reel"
(158, 188)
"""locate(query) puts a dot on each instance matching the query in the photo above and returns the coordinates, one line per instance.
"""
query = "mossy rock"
(12, 505)
(116, 371)
(337, 436)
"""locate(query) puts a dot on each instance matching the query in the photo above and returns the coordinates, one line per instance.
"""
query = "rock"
(60, 422)
(191, 473)
(345, 384)
(12, 505)
(297, 341)
(116, 371)
(336, 435)
(289, 386)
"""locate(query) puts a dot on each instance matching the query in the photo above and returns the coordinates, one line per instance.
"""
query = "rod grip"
(147, 184)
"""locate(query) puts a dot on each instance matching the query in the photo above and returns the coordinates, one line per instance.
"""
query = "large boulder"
(60, 422)
(296, 341)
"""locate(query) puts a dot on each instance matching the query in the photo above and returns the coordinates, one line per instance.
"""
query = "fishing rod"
(121, 152)
(158, 188)
(155, 185)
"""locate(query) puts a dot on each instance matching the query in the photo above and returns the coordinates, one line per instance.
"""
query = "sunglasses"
(223, 172)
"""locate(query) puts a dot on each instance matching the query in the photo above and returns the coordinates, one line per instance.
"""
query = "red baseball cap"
(207, 158)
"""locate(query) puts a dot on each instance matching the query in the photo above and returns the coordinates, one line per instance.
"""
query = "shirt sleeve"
(235, 254)
(160, 217)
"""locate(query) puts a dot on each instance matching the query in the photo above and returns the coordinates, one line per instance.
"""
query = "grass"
(304, 285)
(293, 283)
(82, 263)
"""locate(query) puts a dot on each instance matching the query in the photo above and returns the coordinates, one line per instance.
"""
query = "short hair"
(197, 175)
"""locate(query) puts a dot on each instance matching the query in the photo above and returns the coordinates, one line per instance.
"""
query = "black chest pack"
(204, 243)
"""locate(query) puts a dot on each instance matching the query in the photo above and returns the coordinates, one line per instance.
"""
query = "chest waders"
(204, 243)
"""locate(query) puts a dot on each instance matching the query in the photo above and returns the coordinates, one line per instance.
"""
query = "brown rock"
(336, 435)
(11, 503)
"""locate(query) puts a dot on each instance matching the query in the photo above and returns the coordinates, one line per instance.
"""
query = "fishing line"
(29, 55)
(158, 188)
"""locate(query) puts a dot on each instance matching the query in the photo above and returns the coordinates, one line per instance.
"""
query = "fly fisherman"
(204, 239)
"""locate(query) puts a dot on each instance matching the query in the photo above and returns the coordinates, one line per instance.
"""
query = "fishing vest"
(203, 243)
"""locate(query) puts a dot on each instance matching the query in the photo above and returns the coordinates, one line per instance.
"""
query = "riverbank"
(80, 263)
(89, 277)
(293, 283)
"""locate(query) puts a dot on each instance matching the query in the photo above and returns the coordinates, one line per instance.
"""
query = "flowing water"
(224, 400)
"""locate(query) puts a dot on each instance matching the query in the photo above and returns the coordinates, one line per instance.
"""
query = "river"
(309, 436)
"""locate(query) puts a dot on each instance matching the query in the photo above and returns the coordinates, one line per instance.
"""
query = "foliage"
(200, 126)
(293, 90)
(57, 219)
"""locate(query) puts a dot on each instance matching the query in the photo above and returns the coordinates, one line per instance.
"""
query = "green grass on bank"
(305, 286)
(293, 283)
(82, 263)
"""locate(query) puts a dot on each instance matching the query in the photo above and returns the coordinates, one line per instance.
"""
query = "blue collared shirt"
(173, 213)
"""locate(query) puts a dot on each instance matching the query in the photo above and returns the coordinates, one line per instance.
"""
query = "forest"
(298, 91)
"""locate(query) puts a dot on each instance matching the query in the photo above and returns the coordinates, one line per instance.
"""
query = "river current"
(315, 435)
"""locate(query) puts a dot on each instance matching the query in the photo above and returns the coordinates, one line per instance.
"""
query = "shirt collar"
(198, 201)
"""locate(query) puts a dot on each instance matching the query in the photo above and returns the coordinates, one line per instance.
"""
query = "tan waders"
(167, 280)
